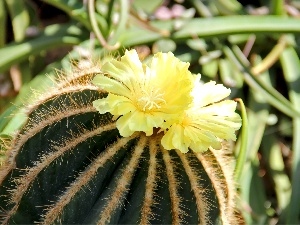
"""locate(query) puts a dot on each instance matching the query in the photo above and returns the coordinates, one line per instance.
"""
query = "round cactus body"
(69, 165)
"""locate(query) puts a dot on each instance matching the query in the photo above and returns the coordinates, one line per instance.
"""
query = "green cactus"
(69, 165)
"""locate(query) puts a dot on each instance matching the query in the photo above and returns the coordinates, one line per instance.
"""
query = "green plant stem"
(92, 16)
(271, 94)
(243, 146)
(271, 58)
(277, 7)
(110, 13)
(121, 25)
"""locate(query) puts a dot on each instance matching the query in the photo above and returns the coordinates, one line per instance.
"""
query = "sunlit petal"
(207, 121)
(143, 94)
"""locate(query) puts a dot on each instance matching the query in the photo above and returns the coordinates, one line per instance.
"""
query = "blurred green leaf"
(222, 26)
(14, 117)
(209, 56)
(201, 8)
(53, 36)
(164, 45)
(147, 6)
(3, 19)
(228, 7)
(6, 116)
(277, 7)
(272, 154)
(211, 27)
(197, 44)
(12, 125)
(137, 36)
(230, 76)
(121, 25)
(253, 196)
(252, 186)
(210, 69)
(271, 94)
(75, 9)
(19, 17)
(290, 65)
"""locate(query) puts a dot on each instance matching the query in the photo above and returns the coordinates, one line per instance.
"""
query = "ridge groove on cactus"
(68, 164)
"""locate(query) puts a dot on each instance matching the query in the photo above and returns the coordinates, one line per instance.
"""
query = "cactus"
(69, 165)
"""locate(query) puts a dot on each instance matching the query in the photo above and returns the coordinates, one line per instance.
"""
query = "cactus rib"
(146, 211)
(199, 191)
(55, 210)
(122, 186)
(173, 187)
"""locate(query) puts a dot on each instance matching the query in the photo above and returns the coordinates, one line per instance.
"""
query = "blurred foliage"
(253, 49)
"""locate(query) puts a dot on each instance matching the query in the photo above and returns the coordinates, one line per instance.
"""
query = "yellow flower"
(144, 96)
(206, 122)
(165, 95)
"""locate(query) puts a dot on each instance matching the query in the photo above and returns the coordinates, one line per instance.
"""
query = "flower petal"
(111, 85)
(101, 105)
(174, 139)
(166, 68)
(208, 93)
(119, 105)
(137, 122)
(123, 126)
(223, 108)
(203, 128)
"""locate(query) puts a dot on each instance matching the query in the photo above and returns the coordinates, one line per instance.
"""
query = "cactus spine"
(68, 164)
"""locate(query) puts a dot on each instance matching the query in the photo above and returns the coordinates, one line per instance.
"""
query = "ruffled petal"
(146, 93)
(203, 127)
(119, 105)
(131, 59)
(223, 108)
(174, 138)
(137, 123)
(123, 126)
(102, 105)
(111, 86)
(172, 74)
(208, 93)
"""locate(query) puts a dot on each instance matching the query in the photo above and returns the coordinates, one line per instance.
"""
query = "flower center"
(150, 100)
